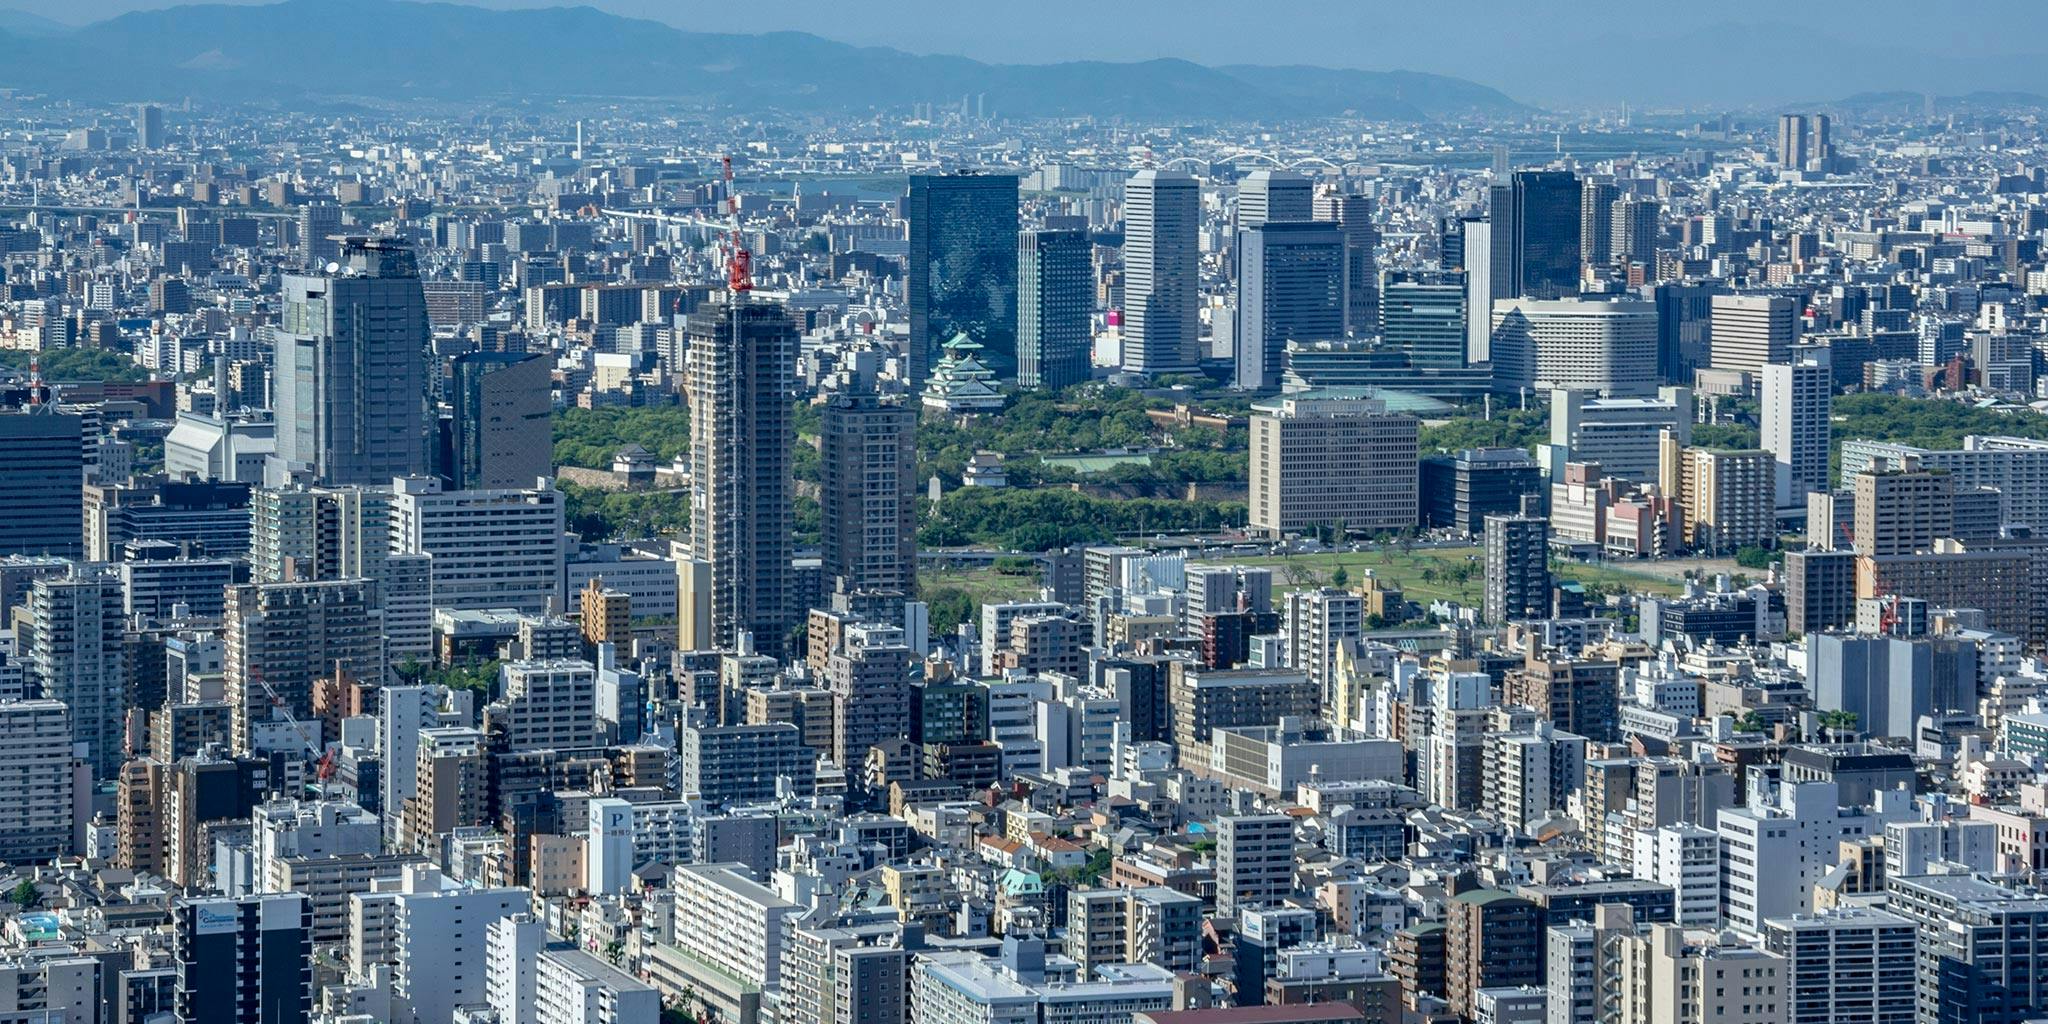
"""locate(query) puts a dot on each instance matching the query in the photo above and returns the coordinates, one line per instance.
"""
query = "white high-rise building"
(1773, 853)
(1267, 196)
(41, 780)
(1688, 859)
(491, 549)
(1162, 278)
(1797, 403)
(1604, 347)
(1752, 331)
(437, 929)
(1621, 434)
(608, 851)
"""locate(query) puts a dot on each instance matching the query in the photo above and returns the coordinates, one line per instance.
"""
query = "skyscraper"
(42, 483)
(1797, 406)
(318, 224)
(867, 497)
(962, 268)
(1804, 142)
(280, 638)
(503, 427)
(149, 127)
(75, 654)
(351, 368)
(1749, 331)
(1517, 567)
(243, 961)
(739, 372)
(1423, 314)
(1536, 221)
(1633, 234)
(1267, 196)
(1162, 280)
(1596, 221)
(1055, 293)
(1290, 287)
(1352, 214)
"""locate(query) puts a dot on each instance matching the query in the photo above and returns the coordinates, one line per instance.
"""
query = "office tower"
(1847, 964)
(1597, 197)
(1352, 213)
(1162, 279)
(1340, 462)
(1482, 290)
(867, 504)
(1492, 938)
(351, 368)
(1517, 568)
(243, 961)
(1461, 489)
(41, 780)
(1266, 196)
(319, 223)
(1290, 287)
(1623, 435)
(149, 127)
(42, 483)
(503, 429)
(1820, 589)
(490, 548)
(1792, 141)
(281, 638)
(1534, 251)
(962, 268)
(1604, 347)
(1055, 295)
(870, 683)
(300, 534)
(1636, 224)
(1314, 625)
(1798, 401)
(1423, 314)
(741, 368)
(1749, 331)
(75, 654)
(1726, 499)
(1254, 862)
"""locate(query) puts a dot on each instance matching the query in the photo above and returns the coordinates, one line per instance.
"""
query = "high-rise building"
(1981, 947)
(1492, 938)
(1254, 861)
(1804, 142)
(281, 638)
(869, 677)
(1671, 974)
(351, 368)
(1162, 279)
(867, 497)
(319, 223)
(1461, 489)
(1725, 498)
(723, 764)
(1328, 459)
(503, 427)
(1605, 347)
(498, 548)
(41, 780)
(1535, 235)
(1636, 222)
(1903, 511)
(1352, 213)
(1517, 568)
(75, 654)
(1290, 287)
(1820, 589)
(42, 483)
(149, 127)
(1846, 964)
(1423, 314)
(243, 961)
(962, 268)
(1266, 196)
(1623, 435)
(741, 369)
(1055, 294)
(1314, 624)
(1797, 408)
(1750, 331)
(1597, 197)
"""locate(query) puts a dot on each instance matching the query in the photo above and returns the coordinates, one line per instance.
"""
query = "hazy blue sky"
(1579, 51)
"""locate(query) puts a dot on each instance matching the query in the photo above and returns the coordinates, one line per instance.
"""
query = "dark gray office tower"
(739, 374)
(1517, 567)
(1535, 240)
(1422, 313)
(1353, 215)
(867, 500)
(1055, 293)
(503, 420)
(318, 224)
(962, 268)
(149, 127)
(351, 368)
(1451, 243)
(1290, 288)
(1635, 224)
(1596, 221)
(243, 961)
(42, 483)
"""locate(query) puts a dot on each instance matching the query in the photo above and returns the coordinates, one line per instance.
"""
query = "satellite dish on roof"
(333, 268)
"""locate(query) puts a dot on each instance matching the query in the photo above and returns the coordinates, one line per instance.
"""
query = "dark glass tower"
(1536, 221)
(1055, 292)
(1422, 313)
(963, 268)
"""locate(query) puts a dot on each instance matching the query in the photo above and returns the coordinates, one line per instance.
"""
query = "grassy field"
(983, 586)
(1429, 574)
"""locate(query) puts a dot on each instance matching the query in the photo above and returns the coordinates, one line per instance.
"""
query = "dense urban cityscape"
(1281, 546)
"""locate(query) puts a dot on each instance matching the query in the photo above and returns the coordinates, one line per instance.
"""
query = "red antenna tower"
(35, 379)
(739, 271)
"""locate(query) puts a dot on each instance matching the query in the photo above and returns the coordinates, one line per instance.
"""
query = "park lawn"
(1403, 569)
(1616, 577)
(983, 586)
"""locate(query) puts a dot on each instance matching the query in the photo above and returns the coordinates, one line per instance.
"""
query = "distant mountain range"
(395, 50)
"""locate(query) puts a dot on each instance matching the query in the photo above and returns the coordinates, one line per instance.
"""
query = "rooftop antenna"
(739, 277)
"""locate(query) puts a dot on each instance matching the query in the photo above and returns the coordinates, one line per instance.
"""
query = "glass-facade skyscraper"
(1536, 222)
(1055, 294)
(1290, 288)
(1162, 330)
(962, 268)
(352, 368)
(1423, 315)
